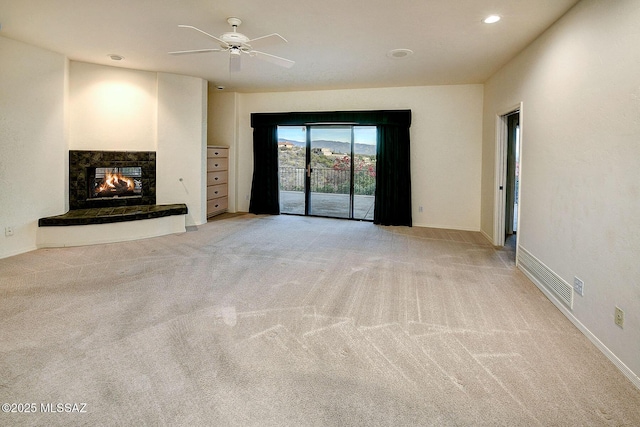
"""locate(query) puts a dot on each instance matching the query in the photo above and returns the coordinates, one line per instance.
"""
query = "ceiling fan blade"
(187, 52)
(234, 61)
(283, 62)
(277, 37)
(205, 33)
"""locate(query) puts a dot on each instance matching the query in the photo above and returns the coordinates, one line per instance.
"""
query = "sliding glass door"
(327, 170)
(330, 174)
(364, 171)
(292, 161)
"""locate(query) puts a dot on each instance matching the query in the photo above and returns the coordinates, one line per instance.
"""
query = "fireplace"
(115, 182)
(111, 178)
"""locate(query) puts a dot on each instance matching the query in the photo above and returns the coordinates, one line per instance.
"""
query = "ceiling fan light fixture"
(399, 53)
(491, 19)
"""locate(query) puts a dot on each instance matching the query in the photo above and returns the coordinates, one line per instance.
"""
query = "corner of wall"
(34, 130)
(67, 123)
(223, 124)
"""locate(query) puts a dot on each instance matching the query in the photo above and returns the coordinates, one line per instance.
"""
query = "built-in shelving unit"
(217, 179)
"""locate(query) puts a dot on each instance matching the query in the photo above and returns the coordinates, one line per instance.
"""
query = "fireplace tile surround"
(81, 160)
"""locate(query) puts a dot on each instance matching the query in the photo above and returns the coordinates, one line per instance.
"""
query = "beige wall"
(112, 108)
(182, 140)
(33, 146)
(445, 142)
(580, 195)
(116, 109)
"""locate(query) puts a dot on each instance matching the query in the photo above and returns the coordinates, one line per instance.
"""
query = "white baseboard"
(626, 371)
(489, 238)
(445, 227)
(18, 252)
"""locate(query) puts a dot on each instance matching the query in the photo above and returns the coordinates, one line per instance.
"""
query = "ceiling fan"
(237, 44)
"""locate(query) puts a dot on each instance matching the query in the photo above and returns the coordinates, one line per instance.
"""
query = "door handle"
(309, 170)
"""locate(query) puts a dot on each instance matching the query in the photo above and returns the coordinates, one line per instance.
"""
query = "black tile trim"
(81, 160)
(113, 214)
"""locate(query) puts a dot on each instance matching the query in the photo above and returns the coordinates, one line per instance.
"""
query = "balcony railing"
(327, 180)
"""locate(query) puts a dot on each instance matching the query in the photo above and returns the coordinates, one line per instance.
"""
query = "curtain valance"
(364, 118)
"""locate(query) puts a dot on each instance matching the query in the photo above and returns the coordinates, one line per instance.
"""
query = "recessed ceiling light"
(399, 53)
(115, 57)
(491, 19)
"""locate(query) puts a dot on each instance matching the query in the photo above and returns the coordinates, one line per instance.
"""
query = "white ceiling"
(336, 43)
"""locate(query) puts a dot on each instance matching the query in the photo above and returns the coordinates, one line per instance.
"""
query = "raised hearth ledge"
(108, 215)
(100, 227)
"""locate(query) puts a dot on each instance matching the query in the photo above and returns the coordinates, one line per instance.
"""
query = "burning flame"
(115, 182)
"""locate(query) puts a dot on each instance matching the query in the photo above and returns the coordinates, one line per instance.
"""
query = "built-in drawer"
(214, 191)
(217, 205)
(219, 177)
(217, 152)
(217, 164)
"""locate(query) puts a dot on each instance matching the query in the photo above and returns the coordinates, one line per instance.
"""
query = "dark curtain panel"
(393, 177)
(264, 188)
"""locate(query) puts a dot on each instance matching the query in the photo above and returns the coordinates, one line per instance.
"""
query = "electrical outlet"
(578, 286)
(8, 231)
(619, 317)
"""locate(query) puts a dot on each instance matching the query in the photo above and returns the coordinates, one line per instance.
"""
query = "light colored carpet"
(293, 321)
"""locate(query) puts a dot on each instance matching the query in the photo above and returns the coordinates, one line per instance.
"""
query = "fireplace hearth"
(107, 188)
(99, 179)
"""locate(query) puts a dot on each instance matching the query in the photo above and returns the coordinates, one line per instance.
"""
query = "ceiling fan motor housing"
(235, 39)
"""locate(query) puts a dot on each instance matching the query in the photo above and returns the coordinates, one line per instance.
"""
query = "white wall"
(33, 148)
(182, 139)
(121, 109)
(445, 143)
(580, 195)
(111, 108)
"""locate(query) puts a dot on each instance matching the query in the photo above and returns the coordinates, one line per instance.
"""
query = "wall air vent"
(545, 277)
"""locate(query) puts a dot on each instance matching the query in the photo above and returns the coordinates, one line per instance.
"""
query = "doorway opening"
(512, 179)
(327, 170)
(508, 172)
